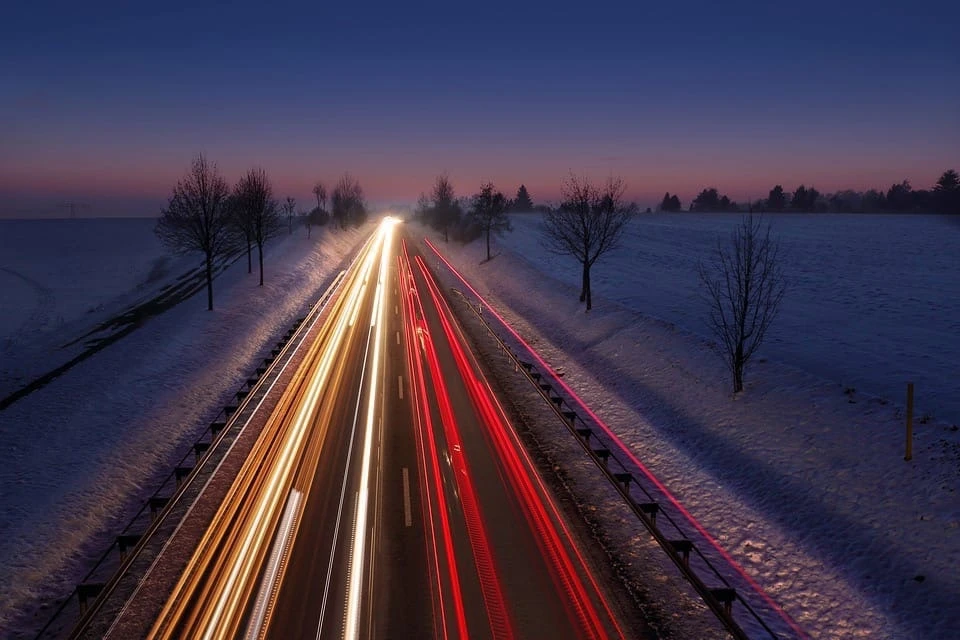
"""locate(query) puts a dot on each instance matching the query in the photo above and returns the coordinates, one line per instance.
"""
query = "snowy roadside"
(79, 453)
(805, 486)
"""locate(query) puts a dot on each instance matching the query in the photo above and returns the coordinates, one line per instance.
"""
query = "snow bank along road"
(388, 494)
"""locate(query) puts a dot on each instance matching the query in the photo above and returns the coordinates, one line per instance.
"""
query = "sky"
(104, 104)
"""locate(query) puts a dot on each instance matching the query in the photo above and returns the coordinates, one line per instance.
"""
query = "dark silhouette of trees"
(670, 203)
(443, 211)
(320, 191)
(488, 211)
(777, 200)
(710, 200)
(744, 285)
(899, 196)
(255, 206)
(317, 217)
(946, 193)
(522, 203)
(589, 222)
(196, 218)
(347, 203)
(804, 199)
(241, 225)
(289, 211)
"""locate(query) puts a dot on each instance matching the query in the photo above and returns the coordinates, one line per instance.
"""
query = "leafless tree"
(241, 223)
(290, 210)
(744, 285)
(196, 218)
(489, 212)
(588, 223)
(444, 211)
(255, 206)
(320, 191)
(347, 202)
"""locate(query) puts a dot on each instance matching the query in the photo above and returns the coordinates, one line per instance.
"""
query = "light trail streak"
(491, 589)
(519, 476)
(428, 452)
(352, 629)
(216, 586)
(280, 547)
(629, 454)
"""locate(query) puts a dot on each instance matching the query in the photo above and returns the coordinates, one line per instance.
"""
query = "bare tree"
(588, 223)
(488, 211)
(241, 224)
(320, 191)
(444, 211)
(347, 203)
(196, 218)
(289, 211)
(744, 285)
(257, 208)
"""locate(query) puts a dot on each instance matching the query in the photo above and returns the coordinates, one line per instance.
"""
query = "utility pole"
(73, 207)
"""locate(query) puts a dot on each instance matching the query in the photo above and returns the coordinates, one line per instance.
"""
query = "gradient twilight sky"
(106, 102)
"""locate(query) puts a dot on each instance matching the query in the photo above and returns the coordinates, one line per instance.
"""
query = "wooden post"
(909, 455)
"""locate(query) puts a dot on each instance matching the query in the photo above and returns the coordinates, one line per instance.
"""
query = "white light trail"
(352, 629)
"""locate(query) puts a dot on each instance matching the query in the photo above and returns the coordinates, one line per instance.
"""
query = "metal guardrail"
(648, 511)
(131, 544)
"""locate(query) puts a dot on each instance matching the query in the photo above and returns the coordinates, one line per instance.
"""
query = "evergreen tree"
(946, 193)
(522, 203)
(776, 201)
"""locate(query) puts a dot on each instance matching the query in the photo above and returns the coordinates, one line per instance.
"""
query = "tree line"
(205, 215)
(743, 281)
(942, 197)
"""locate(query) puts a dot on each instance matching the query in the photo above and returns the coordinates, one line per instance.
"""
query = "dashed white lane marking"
(400, 386)
(407, 512)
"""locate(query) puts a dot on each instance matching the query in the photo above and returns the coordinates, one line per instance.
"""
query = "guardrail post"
(650, 509)
(156, 504)
(125, 541)
(87, 591)
(180, 473)
(682, 548)
(624, 479)
(725, 596)
(603, 454)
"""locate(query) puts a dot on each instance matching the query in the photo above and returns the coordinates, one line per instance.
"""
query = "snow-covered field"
(804, 484)
(874, 301)
(53, 272)
(80, 452)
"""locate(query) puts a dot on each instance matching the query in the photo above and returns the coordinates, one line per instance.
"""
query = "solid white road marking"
(407, 512)
(400, 386)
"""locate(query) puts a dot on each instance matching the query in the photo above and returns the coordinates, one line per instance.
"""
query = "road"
(388, 495)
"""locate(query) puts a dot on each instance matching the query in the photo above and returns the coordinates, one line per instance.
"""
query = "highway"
(388, 495)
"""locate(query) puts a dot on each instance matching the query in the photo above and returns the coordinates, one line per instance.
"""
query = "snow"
(803, 484)
(81, 452)
(54, 271)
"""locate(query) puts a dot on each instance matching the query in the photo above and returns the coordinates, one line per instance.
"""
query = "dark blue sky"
(106, 103)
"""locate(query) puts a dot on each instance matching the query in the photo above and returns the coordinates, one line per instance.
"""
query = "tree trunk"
(738, 369)
(209, 282)
(249, 257)
(586, 279)
(488, 244)
(583, 282)
(260, 256)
